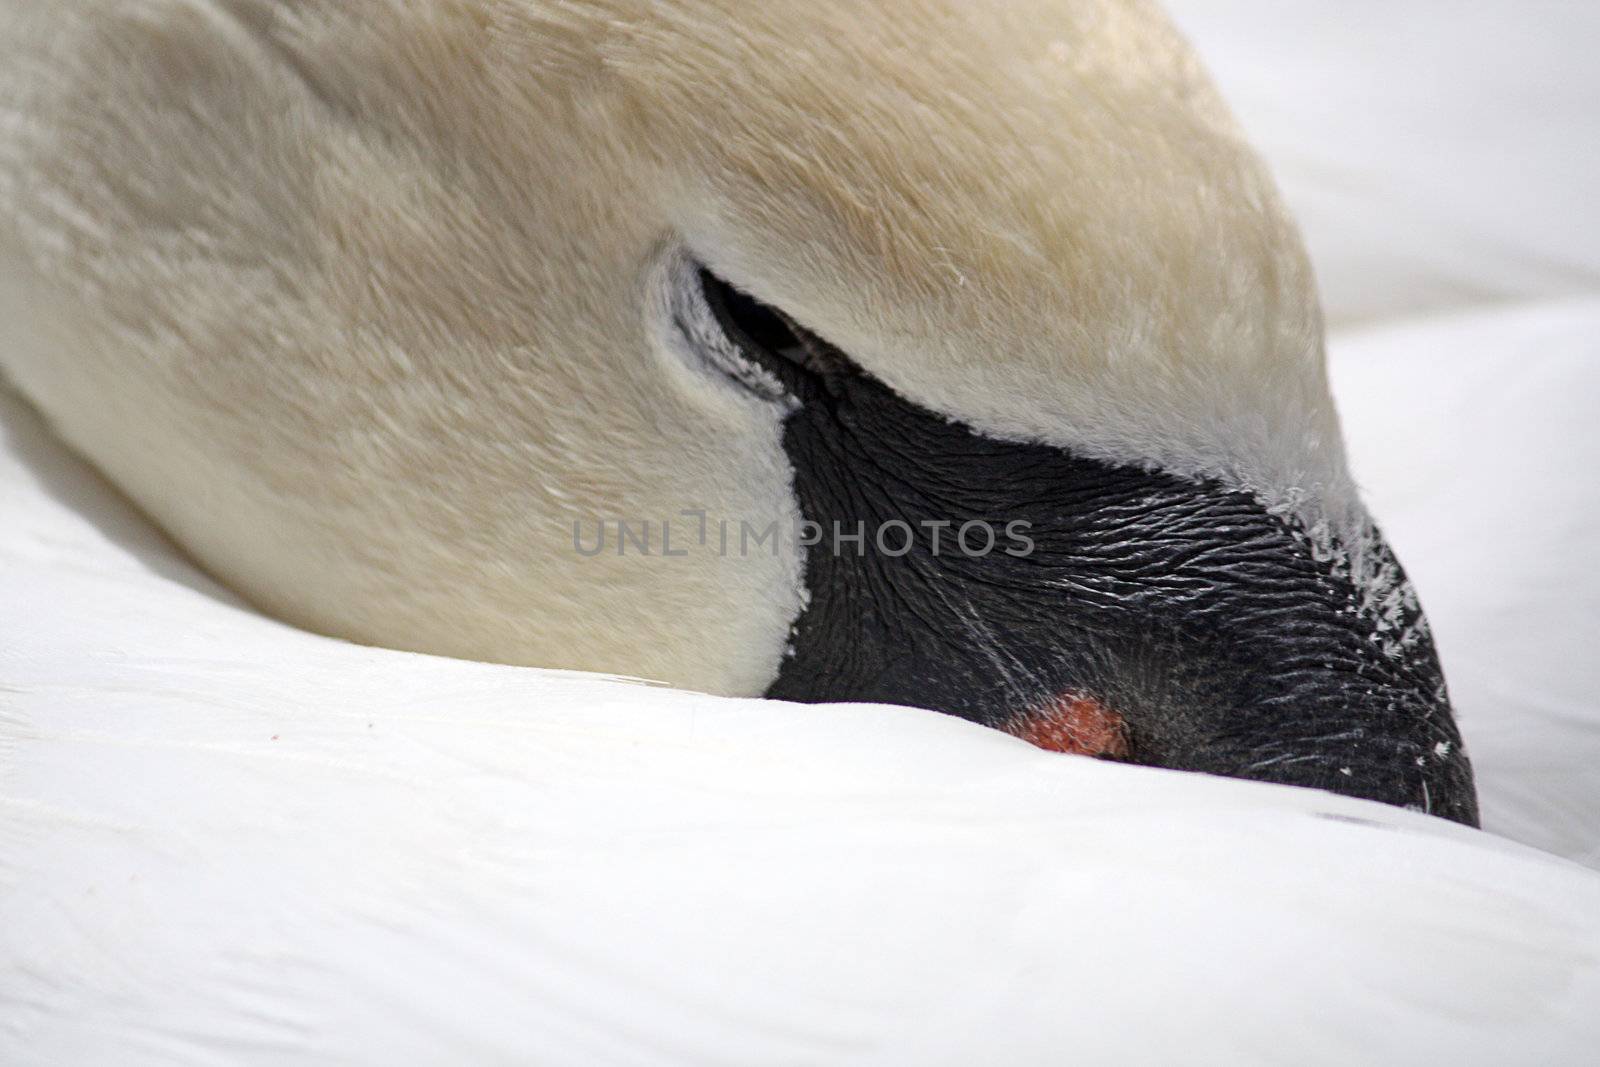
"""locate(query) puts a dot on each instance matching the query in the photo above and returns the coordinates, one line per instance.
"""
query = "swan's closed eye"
(767, 339)
(764, 333)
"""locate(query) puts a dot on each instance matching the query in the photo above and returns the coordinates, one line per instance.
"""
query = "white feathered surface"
(223, 840)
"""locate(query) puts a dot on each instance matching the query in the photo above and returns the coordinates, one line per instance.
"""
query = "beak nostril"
(1076, 724)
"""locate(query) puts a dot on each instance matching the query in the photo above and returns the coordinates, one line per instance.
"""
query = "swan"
(963, 359)
(383, 312)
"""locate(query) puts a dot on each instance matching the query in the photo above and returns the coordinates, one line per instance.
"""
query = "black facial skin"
(1200, 618)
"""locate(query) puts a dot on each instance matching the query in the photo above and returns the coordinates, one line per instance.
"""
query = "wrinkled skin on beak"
(1155, 619)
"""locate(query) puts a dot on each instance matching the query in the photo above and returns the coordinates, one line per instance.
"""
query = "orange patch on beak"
(1072, 723)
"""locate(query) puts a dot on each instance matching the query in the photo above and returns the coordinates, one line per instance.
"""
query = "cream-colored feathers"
(355, 298)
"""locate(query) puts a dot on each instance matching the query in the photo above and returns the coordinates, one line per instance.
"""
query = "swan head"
(960, 357)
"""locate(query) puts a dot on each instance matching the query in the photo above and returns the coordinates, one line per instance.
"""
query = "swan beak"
(1108, 610)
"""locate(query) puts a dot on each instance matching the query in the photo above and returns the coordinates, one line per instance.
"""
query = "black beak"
(1089, 607)
(1104, 609)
